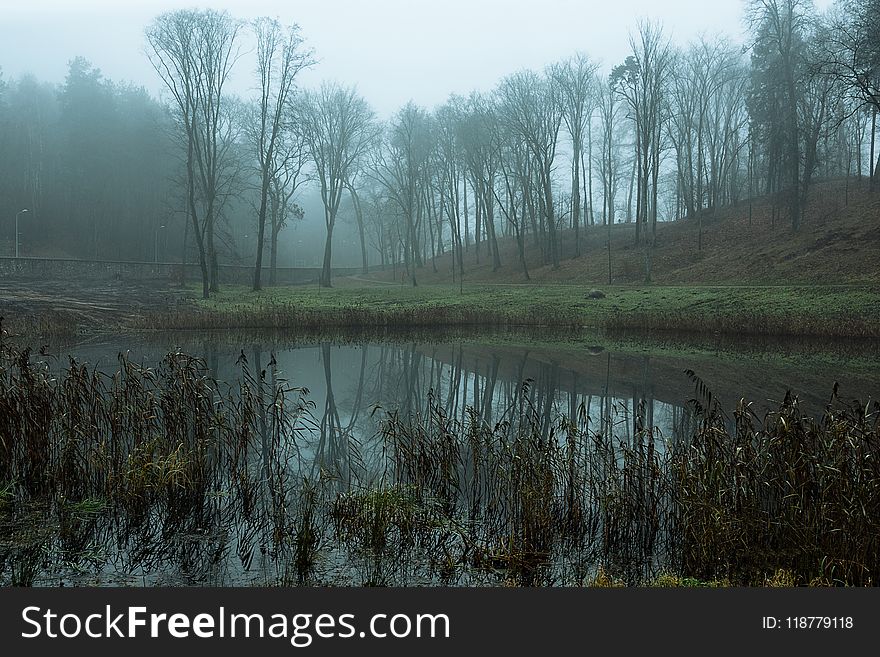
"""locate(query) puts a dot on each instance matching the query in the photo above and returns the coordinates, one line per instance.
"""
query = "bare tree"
(338, 128)
(280, 58)
(291, 158)
(642, 81)
(400, 168)
(707, 119)
(850, 53)
(513, 158)
(575, 80)
(608, 165)
(779, 27)
(532, 111)
(449, 163)
(351, 186)
(481, 163)
(193, 52)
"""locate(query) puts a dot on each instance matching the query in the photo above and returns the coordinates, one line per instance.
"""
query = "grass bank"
(827, 311)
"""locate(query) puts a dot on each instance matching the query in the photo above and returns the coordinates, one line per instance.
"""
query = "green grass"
(838, 311)
(87, 506)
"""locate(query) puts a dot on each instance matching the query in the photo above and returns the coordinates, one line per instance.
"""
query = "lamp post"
(20, 212)
(156, 245)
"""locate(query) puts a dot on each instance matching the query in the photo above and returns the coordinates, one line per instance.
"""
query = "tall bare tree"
(449, 163)
(339, 129)
(778, 62)
(609, 110)
(575, 80)
(193, 52)
(706, 123)
(643, 82)
(481, 162)
(532, 110)
(401, 168)
(280, 58)
(513, 164)
(850, 53)
(290, 173)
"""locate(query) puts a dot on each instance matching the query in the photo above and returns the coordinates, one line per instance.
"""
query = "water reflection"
(353, 384)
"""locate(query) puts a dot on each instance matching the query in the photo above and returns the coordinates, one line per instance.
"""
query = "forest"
(108, 172)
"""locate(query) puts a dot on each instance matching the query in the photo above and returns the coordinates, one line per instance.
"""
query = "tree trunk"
(261, 229)
(639, 191)
(609, 250)
(328, 251)
(197, 230)
(273, 257)
(467, 230)
(489, 219)
(275, 228)
(359, 215)
(588, 172)
(477, 221)
(212, 252)
(576, 197)
(794, 153)
(551, 219)
(875, 167)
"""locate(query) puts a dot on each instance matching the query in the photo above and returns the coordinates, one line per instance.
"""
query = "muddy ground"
(48, 306)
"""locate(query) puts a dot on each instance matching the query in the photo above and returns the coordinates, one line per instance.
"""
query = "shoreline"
(839, 312)
(789, 311)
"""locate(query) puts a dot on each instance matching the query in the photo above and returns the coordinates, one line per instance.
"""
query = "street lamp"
(20, 212)
(156, 245)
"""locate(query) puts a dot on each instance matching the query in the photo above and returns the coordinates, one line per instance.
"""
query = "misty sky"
(393, 50)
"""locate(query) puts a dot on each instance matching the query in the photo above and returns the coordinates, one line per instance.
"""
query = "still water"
(353, 380)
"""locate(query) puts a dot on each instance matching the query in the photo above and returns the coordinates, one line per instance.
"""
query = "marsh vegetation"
(183, 472)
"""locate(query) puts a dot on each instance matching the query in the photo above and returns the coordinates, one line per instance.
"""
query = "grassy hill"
(838, 243)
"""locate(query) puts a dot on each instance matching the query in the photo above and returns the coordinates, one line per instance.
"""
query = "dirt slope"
(838, 242)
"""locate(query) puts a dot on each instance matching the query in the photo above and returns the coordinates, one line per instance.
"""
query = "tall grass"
(166, 462)
(746, 322)
(755, 312)
(785, 492)
(275, 314)
(733, 500)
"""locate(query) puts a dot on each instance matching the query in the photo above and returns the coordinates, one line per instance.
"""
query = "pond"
(352, 374)
(343, 480)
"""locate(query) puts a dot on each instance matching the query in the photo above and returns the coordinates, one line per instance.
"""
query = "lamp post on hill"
(20, 212)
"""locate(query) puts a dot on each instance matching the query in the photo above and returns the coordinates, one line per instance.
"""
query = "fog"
(394, 50)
